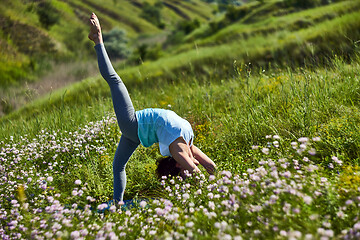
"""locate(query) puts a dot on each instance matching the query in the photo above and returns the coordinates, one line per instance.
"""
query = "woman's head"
(167, 166)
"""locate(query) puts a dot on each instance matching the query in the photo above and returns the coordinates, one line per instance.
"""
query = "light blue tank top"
(162, 126)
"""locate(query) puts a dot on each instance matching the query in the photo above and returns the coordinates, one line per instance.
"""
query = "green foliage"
(188, 26)
(182, 29)
(152, 13)
(116, 43)
(304, 3)
(77, 43)
(274, 186)
(145, 52)
(47, 13)
(5, 106)
(11, 72)
(233, 14)
(175, 38)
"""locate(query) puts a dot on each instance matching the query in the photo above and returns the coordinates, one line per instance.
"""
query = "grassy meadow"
(274, 101)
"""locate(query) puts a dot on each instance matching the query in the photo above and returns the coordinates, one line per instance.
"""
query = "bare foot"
(95, 30)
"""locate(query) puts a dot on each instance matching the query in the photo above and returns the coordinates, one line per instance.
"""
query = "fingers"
(196, 162)
(210, 169)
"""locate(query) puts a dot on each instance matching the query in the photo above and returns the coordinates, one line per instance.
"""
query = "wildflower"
(357, 226)
(329, 233)
(286, 208)
(307, 200)
(226, 174)
(294, 235)
(185, 196)
(255, 177)
(309, 236)
(296, 210)
(78, 182)
(316, 139)
(226, 237)
(303, 139)
(112, 208)
(336, 160)
(211, 205)
(312, 151)
(49, 179)
(265, 151)
(287, 174)
(143, 204)
(189, 224)
(302, 146)
(283, 233)
(102, 206)
(75, 235)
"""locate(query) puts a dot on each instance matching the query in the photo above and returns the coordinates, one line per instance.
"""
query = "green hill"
(34, 32)
(271, 89)
(304, 36)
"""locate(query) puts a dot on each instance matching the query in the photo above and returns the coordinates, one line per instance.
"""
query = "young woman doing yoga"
(173, 133)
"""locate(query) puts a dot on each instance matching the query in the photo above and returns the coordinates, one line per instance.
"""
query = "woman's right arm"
(203, 159)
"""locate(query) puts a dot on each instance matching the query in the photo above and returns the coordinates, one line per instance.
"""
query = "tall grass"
(238, 110)
(65, 146)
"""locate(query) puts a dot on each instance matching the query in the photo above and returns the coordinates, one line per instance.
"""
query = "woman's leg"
(124, 110)
(123, 152)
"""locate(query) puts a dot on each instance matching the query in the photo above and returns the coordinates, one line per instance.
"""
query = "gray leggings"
(126, 118)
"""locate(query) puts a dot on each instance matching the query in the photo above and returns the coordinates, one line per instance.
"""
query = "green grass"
(268, 27)
(67, 39)
(229, 116)
(234, 108)
(289, 103)
(306, 46)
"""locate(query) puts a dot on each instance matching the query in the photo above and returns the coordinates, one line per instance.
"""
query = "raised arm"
(203, 159)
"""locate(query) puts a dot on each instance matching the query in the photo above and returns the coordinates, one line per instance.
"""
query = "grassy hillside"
(32, 33)
(253, 127)
(274, 102)
(283, 44)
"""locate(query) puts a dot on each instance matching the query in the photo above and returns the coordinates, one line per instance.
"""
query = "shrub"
(302, 3)
(233, 14)
(144, 52)
(188, 26)
(116, 43)
(152, 13)
(47, 13)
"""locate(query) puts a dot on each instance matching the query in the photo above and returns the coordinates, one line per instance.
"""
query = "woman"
(148, 126)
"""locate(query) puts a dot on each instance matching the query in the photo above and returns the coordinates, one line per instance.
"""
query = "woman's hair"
(167, 166)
